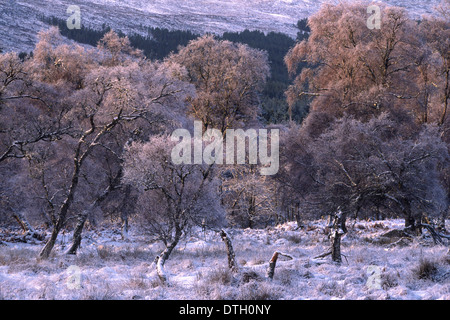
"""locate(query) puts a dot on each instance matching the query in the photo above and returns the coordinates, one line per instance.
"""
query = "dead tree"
(27, 228)
(338, 229)
(23, 222)
(232, 264)
(437, 236)
(273, 262)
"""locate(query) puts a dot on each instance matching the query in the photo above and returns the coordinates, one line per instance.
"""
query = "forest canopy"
(160, 42)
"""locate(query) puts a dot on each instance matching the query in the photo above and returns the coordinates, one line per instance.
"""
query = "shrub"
(426, 269)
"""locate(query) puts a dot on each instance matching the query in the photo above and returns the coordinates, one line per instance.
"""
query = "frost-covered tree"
(107, 102)
(357, 73)
(174, 197)
(70, 111)
(31, 118)
(356, 165)
(229, 79)
(352, 69)
(117, 50)
(249, 198)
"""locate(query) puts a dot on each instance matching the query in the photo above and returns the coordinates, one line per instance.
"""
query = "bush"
(250, 276)
(426, 269)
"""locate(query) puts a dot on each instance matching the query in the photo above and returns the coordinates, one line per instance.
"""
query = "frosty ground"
(115, 269)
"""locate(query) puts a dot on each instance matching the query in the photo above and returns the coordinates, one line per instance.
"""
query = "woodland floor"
(374, 267)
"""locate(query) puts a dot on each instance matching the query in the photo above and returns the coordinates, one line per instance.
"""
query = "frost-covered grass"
(114, 269)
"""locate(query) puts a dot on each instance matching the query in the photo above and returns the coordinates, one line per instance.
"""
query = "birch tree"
(356, 165)
(111, 97)
(174, 197)
(228, 78)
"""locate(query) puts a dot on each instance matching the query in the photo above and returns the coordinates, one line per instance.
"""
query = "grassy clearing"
(198, 269)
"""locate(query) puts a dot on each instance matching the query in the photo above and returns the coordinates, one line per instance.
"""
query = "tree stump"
(232, 264)
(273, 263)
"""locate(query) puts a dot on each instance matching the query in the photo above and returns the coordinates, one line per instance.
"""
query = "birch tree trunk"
(45, 252)
(82, 218)
(161, 260)
(76, 238)
(273, 263)
(232, 264)
(336, 246)
(125, 226)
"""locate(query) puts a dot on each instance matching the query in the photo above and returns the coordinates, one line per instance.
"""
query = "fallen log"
(437, 237)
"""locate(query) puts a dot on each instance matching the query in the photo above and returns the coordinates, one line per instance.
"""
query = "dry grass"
(199, 270)
(257, 290)
(426, 269)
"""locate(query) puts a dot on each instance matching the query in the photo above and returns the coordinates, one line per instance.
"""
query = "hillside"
(19, 19)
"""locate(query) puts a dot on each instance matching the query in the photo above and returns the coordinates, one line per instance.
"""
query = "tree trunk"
(419, 221)
(164, 256)
(446, 97)
(336, 246)
(273, 262)
(337, 231)
(125, 226)
(82, 218)
(251, 210)
(127, 207)
(232, 264)
(76, 238)
(272, 265)
(298, 216)
(45, 252)
(26, 226)
(410, 221)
